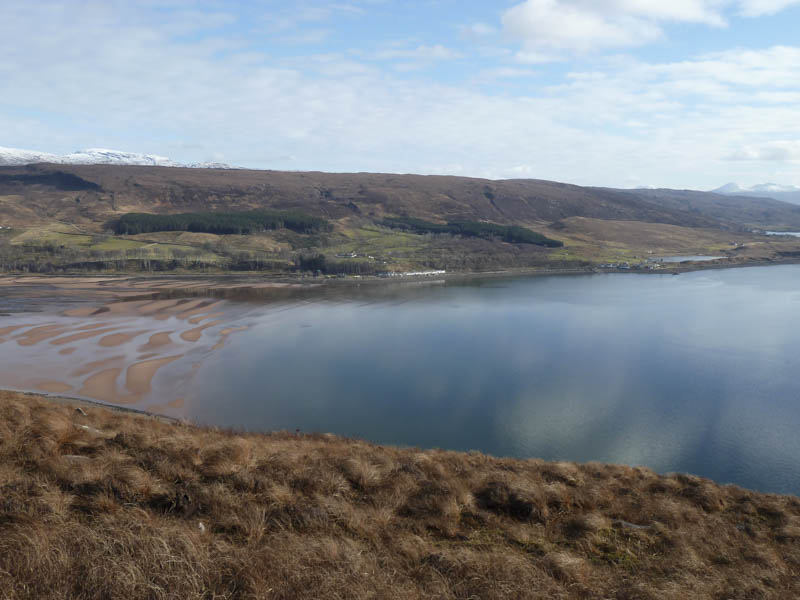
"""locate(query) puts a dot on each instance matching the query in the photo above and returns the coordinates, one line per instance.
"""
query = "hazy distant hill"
(785, 193)
(750, 210)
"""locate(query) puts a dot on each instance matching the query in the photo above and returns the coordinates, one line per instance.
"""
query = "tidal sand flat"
(156, 344)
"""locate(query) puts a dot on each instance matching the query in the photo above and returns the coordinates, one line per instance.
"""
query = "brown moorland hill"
(50, 192)
(102, 504)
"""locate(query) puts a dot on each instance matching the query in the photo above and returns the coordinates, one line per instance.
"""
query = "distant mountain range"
(785, 193)
(97, 156)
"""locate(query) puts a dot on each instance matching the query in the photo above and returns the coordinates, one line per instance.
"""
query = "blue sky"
(685, 94)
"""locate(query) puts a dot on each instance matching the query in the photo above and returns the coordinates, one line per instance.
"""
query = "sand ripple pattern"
(114, 352)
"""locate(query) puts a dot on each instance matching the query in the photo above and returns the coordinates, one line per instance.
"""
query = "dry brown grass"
(113, 505)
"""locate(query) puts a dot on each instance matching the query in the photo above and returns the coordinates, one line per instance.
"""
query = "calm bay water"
(694, 373)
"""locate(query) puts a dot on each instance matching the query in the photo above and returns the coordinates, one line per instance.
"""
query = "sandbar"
(156, 341)
(158, 306)
(192, 335)
(140, 375)
(203, 307)
(117, 339)
(102, 385)
(11, 329)
(85, 311)
(94, 366)
(39, 334)
(90, 326)
(201, 318)
(81, 336)
(223, 336)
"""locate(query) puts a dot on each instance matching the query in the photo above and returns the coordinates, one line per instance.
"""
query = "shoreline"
(79, 401)
(144, 285)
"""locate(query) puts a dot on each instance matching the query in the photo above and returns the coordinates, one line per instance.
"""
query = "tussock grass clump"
(112, 505)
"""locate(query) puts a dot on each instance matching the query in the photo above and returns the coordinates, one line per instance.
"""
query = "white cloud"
(584, 25)
(783, 150)
(108, 77)
(426, 53)
(559, 25)
(758, 8)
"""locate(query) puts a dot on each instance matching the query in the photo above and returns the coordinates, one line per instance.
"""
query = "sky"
(621, 93)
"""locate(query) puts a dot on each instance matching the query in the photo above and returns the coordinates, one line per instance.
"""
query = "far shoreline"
(153, 283)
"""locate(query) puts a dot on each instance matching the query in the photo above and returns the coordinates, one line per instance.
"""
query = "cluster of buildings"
(411, 273)
(354, 255)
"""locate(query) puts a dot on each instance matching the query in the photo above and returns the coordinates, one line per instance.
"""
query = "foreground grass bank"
(102, 504)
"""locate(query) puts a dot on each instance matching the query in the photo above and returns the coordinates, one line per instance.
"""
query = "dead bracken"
(96, 503)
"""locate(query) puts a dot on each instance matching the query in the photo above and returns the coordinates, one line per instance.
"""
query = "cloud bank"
(187, 86)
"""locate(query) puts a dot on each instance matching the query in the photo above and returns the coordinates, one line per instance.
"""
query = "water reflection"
(691, 373)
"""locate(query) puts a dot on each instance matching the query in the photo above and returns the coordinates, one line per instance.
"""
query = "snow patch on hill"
(97, 156)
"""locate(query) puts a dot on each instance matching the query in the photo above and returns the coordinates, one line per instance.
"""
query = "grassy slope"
(597, 225)
(114, 505)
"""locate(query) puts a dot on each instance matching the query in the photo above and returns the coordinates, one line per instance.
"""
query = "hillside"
(784, 193)
(62, 218)
(102, 504)
(154, 189)
(755, 211)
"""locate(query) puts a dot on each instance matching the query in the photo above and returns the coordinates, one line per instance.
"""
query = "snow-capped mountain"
(786, 193)
(97, 156)
(14, 156)
(761, 188)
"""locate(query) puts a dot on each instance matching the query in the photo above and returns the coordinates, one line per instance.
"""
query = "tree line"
(220, 223)
(512, 234)
(318, 263)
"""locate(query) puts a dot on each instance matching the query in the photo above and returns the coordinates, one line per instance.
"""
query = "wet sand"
(202, 307)
(39, 334)
(6, 330)
(96, 365)
(90, 326)
(140, 375)
(102, 386)
(54, 387)
(194, 334)
(80, 338)
(156, 341)
(224, 334)
(117, 339)
(201, 318)
(127, 286)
